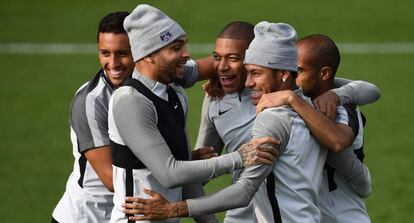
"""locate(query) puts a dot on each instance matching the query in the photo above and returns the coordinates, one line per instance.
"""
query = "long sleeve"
(207, 133)
(243, 190)
(193, 191)
(356, 92)
(356, 173)
(135, 118)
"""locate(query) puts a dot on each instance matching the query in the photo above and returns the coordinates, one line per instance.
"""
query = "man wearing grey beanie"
(271, 62)
(298, 172)
(147, 120)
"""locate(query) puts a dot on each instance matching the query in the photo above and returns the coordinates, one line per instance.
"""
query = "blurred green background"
(36, 154)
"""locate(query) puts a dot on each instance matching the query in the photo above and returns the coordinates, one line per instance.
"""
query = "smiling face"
(228, 62)
(262, 80)
(170, 61)
(115, 57)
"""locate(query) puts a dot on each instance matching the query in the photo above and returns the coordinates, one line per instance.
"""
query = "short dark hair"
(238, 30)
(112, 23)
(326, 50)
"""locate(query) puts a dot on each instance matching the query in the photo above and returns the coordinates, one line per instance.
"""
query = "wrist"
(291, 98)
(180, 209)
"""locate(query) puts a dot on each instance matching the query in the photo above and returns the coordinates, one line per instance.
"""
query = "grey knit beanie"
(273, 47)
(149, 30)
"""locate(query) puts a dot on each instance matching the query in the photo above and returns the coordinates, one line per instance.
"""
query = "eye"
(256, 74)
(234, 59)
(124, 53)
(104, 53)
(177, 46)
(216, 57)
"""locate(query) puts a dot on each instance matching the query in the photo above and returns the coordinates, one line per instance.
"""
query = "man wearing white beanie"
(271, 62)
(147, 120)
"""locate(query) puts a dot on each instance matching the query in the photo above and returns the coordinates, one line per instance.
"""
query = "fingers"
(331, 112)
(323, 108)
(138, 218)
(259, 151)
(272, 149)
(264, 102)
(256, 157)
(151, 193)
(265, 140)
(265, 157)
(316, 104)
(327, 104)
(262, 161)
(260, 106)
(132, 209)
(137, 200)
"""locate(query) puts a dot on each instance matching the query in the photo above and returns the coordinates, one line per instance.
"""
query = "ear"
(149, 59)
(284, 74)
(326, 73)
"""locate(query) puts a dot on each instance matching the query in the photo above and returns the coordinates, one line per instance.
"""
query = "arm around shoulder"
(352, 170)
(357, 92)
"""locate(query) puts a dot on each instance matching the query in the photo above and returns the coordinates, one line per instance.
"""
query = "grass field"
(35, 148)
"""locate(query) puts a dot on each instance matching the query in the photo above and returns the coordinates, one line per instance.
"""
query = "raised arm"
(335, 136)
(355, 92)
(201, 69)
(205, 68)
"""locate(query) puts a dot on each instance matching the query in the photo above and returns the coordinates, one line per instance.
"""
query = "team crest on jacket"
(166, 36)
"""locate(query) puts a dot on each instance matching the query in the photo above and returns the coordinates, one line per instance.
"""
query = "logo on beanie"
(166, 36)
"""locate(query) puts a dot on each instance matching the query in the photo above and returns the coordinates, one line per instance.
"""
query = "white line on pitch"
(196, 48)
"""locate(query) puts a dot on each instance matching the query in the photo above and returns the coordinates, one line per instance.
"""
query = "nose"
(186, 53)
(223, 66)
(249, 81)
(114, 61)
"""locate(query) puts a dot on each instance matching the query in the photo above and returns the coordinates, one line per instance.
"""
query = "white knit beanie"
(149, 30)
(273, 47)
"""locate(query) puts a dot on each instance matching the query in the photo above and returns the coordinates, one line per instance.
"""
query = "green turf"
(35, 148)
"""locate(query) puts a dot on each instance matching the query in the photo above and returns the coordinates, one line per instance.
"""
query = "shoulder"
(95, 90)
(128, 94)
(279, 113)
(276, 123)
(274, 119)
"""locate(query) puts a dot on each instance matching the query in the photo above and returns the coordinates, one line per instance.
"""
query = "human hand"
(154, 208)
(259, 151)
(274, 99)
(203, 153)
(327, 104)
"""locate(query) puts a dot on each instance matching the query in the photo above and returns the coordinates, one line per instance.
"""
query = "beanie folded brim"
(157, 41)
(271, 61)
